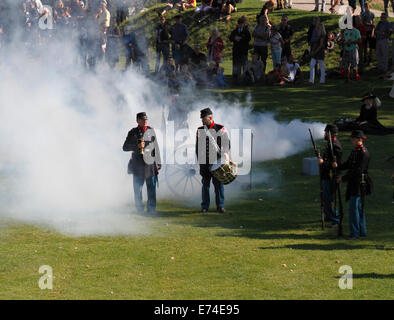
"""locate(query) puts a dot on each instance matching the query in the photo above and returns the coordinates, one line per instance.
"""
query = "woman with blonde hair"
(215, 47)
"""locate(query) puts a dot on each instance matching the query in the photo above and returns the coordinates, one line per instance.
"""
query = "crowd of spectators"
(94, 26)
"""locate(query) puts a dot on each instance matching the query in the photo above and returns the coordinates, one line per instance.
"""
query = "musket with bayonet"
(337, 187)
(317, 153)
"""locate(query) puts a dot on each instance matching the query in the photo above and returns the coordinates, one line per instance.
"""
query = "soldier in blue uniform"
(358, 184)
(212, 143)
(145, 161)
(327, 172)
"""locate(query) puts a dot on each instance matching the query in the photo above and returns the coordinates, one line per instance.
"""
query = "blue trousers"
(330, 206)
(219, 192)
(357, 222)
(138, 183)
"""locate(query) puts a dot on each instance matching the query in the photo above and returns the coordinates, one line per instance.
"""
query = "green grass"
(188, 255)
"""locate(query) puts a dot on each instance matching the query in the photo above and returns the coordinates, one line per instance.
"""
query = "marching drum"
(225, 171)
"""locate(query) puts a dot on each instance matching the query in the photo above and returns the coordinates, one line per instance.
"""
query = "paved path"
(309, 5)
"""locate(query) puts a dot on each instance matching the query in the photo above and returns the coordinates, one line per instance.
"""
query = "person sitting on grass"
(228, 7)
(189, 4)
(254, 72)
(275, 77)
(198, 65)
(291, 70)
(174, 4)
(203, 10)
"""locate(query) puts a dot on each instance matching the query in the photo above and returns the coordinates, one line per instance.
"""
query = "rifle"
(317, 153)
(337, 187)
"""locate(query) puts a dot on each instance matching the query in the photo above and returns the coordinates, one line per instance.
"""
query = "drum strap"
(211, 139)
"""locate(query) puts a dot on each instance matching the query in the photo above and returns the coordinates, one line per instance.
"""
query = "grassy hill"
(199, 32)
(271, 248)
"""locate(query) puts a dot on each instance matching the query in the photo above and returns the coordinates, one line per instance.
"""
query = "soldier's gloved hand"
(335, 165)
(320, 161)
(141, 145)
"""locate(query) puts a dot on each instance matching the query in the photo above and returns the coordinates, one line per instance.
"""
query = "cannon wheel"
(183, 179)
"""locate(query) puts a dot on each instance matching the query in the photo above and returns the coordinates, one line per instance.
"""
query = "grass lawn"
(272, 248)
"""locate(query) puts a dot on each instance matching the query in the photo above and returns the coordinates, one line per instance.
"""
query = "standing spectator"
(280, 5)
(350, 53)
(240, 37)
(317, 36)
(286, 31)
(362, 43)
(267, 8)
(112, 49)
(93, 41)
(179, 35)
(121, 10)
(141, 51)
(128, 40)
(276, 45)
(368, 19)
(383, 32)
(323, 3)
(288, 4)
(353, 4)
(162, 42)
(103, 17)
(215, 47)
(386, 6)
(261, 34)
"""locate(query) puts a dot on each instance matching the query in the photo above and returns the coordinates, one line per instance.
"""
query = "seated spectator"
(174, 4)
(215, 47)
(189, 4)
(275, 77)
(203, 10)
(291, 70)
(185, 77)
(228, 7)
(254, 71)
(168, 73)
(198, 65)
(215, 76)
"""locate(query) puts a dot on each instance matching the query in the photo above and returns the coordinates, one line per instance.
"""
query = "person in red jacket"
(215, 47)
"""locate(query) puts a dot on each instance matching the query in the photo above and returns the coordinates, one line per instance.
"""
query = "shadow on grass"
(331, 246)
(371, 275)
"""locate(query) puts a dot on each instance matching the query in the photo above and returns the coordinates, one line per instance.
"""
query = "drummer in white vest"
(212, 147)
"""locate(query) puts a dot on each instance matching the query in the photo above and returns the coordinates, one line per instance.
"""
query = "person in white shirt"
(291, 70)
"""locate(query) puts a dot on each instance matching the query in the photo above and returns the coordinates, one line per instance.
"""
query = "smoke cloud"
(61, 137)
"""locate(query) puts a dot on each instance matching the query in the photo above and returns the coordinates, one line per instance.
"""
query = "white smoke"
(61, 136)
